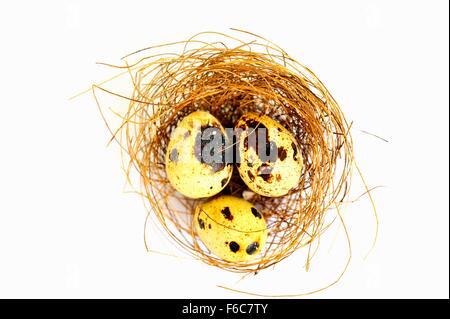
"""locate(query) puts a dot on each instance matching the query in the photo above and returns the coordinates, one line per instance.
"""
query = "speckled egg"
(231, 228)
(270, 162)
(196, 166)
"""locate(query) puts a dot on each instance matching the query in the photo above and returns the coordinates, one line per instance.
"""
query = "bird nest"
(228, 77)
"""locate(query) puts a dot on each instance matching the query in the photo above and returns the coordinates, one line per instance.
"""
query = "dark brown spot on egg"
(250, 175)
(256, 213)
(265, 172)
(201, 223)
(266, 177)
(278, 177)
(282, 153)
(234, 247)
(227, 213)
(174, 155)
(252, 123)
(252, 248)
(209, 226)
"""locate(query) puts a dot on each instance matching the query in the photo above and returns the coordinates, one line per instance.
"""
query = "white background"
(68, 230)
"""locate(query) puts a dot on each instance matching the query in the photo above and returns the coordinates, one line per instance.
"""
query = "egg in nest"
(269, 158)
(231, 228)
(195, 156)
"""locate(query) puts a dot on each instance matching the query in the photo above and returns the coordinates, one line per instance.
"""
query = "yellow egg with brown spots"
(231, 228)
(270, 161)
(195, 164)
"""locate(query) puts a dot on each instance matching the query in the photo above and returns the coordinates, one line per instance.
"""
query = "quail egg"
(195, 159)
(269, 158)
(231, 228)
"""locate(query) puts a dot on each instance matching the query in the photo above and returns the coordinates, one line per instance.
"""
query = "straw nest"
(227, 77)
